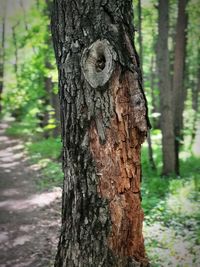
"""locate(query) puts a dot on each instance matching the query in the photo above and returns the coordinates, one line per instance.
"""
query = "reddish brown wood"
(119, 168)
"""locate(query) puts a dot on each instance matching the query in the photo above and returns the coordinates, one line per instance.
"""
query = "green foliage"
(25, 91)
(170, 204)
(47, 148)
(51, 175)
(172, 214)
(26, 128)
(171, 209)
(45, 155)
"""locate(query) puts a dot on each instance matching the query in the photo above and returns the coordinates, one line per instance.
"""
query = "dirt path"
(29, 220)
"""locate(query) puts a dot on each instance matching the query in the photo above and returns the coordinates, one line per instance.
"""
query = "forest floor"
(30, 201)
(30, 219)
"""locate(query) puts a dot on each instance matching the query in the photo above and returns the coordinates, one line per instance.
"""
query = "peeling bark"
(119, 169)
(104, 121)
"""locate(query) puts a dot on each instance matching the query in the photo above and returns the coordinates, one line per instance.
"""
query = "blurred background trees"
(169, 28)
(30, 91)
(168, 46)
(168, 43)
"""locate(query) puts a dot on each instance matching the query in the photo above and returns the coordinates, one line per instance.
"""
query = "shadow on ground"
(29, 220)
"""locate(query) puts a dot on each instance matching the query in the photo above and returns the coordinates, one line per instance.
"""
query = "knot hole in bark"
(98, 62)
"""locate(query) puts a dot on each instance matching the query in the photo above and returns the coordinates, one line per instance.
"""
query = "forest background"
(170, 188)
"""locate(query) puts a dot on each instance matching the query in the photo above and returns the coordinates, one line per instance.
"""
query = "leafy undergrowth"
(26, 128)
(20, 129)
(44, 154)
(172, 215)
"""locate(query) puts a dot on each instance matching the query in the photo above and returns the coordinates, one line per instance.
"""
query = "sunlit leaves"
(25, 90)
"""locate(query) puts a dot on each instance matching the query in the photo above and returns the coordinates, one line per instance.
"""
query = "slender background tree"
(179, 90)
(167, 126)
(150, 149)
(2, 53)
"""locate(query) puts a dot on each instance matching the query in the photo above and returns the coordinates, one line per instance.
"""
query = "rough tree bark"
(178, 77)
(168, 148)
(104, 122)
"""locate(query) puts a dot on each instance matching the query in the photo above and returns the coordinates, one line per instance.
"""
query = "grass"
(20, 130)
(172, 215)
(52, 175)
(45, 154)
(46, 148)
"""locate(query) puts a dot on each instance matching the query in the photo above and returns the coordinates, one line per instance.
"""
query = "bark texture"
(178, 78)
(167, 128)
(104, 121)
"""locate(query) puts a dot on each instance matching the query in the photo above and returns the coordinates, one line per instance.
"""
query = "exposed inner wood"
(118, 165)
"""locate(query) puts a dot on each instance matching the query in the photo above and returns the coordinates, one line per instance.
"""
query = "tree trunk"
(178, 78)
(56, 106)
(2, 60)
(154, 81)
(47, 97)
(104, 122)
(15, 50)
(24, 14)
(154, 98)
(140, 32)
(195, 103)
(196, 87)
(17, 112)
(50, 98)
(168, 149)
(150, 149)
